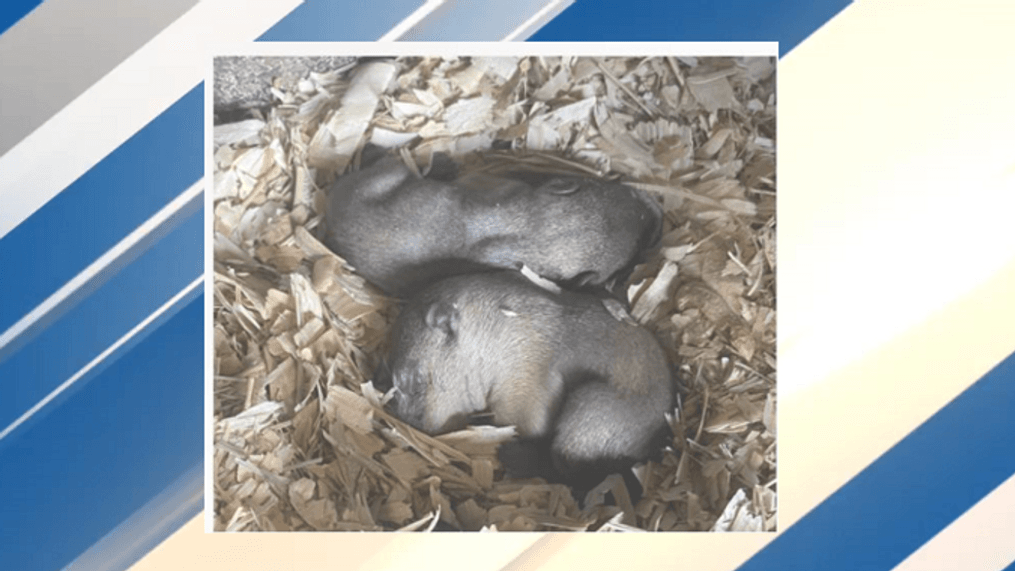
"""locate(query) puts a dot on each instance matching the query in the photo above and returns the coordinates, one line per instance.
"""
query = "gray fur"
(402, 232)
(556, 365)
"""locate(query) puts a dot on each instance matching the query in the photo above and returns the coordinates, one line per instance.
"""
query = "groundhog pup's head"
(423, 365)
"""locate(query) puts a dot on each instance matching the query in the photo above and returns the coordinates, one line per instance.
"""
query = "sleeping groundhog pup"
(402, 232)
(558, 366)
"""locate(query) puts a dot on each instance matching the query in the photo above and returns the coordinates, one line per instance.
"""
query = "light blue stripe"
(330, 21)
(474, 21)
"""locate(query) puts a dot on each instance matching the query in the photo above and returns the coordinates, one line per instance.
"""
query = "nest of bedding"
(301, 438)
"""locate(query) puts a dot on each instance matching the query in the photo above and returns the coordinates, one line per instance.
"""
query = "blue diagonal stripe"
(913, 491)
(108, 450)
(101, 318)
(788, 21)
(101, 207)
(1010, 567)
(13, 11)
(128, 253)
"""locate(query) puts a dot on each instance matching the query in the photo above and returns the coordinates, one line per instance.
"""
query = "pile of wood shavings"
(302, 441)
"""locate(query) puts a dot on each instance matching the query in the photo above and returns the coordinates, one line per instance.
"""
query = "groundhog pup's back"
(402, 232)
(557, 366)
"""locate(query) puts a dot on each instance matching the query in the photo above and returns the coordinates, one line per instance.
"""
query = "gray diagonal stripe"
(63, 47)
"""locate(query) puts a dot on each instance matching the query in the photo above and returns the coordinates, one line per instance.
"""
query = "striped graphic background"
(897, 319)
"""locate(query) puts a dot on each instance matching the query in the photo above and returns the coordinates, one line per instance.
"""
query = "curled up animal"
(558, 366)
(402, 232)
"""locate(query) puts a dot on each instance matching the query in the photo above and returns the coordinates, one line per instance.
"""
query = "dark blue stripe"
(12, 11)
(1010, 567)
(785, 21)
(101, 318)
(110, 449)
(913, 491)
(114, 267)
(99, 209)
(333, 21)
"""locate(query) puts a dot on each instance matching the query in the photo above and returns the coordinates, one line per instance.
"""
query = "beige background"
(896, 273)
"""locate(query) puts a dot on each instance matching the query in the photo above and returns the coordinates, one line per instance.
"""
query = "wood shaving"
(302, 439)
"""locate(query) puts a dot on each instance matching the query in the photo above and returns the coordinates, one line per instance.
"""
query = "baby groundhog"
(558, 366)
(402, 232)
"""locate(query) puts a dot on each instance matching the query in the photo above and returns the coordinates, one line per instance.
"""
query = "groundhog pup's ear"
(561, 186)
(443, 316)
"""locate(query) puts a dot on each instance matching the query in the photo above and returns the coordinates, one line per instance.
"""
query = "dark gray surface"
(244, 82)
